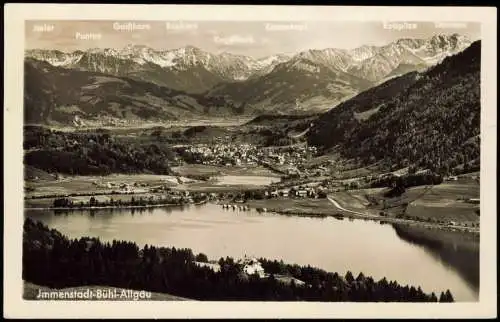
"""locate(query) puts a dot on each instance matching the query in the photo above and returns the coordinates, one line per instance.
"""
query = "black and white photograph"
(253, 160)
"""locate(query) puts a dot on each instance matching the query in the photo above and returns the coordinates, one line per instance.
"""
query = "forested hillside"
(429, 120)
(93, 153)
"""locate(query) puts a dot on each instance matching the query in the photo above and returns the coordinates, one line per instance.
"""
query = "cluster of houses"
(292, 157)
(228, 154)
(296, 192)
(186, 196)
(123, 187)
(236, 207)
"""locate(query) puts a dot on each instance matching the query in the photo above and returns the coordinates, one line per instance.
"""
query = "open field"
(201, 169)
(90, 184)
(462, 213)
(356, 173)
(209, 187)
(331, 157)
(325, 207)
(444, 202)
(140, 184)
(352, 199)
(31, 291)
(452, 191)
(356, 200)
(32, 173)
(305, 206)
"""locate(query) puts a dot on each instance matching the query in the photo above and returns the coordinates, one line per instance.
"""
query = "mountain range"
(309, 81)
(425, 119)
(68, 96)
(188, 69)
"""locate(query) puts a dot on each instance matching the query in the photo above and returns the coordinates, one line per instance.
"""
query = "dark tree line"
(133, 201)
(93, 153)
(407, 181)
(53, 260)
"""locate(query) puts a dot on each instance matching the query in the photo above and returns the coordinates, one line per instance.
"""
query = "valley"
(297, 180)
(311, 156)
(218, 152)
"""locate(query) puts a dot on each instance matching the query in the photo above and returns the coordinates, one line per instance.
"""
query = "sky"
(252, 38)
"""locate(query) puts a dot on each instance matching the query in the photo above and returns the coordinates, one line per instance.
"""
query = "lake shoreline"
(115, 207)
(379, 219)
(340, 215)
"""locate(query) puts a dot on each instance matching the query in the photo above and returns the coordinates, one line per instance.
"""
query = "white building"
(252, 266)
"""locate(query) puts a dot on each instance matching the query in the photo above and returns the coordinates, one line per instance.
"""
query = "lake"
(328, 243)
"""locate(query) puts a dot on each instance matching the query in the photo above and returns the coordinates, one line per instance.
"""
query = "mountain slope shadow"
(458, 251)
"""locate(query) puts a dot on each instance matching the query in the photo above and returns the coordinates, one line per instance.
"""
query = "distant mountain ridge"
(368, 62)
(310, 81)
(321, 79)
(163, 67)
(67, 96)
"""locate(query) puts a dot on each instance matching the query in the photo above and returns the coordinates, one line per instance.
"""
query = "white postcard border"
(15, 306)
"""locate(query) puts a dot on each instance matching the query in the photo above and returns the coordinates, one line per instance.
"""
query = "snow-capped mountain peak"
(362, 53)
(367, 61)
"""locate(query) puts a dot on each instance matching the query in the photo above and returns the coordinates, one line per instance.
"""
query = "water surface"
(331, 244)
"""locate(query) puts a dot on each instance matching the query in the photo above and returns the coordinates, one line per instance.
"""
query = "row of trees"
(406, 181)
(136, 202)
(51, 259)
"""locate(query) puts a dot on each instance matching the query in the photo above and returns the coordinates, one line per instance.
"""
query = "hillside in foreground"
(426, 120)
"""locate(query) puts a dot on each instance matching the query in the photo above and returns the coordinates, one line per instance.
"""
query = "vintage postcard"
(237, 161)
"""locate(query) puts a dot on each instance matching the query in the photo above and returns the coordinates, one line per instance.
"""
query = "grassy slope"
(200, 169)
(439, 202)
(309, 206)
